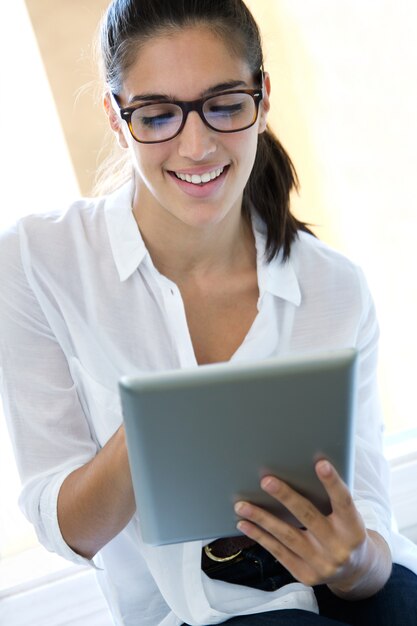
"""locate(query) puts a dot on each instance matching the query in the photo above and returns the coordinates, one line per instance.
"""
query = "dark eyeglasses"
(228, 112)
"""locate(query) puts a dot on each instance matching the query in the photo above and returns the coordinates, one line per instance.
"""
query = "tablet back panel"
(198, 440)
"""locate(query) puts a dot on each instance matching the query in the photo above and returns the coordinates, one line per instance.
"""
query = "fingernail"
(269, 482)
(239, 507)
(325, 468)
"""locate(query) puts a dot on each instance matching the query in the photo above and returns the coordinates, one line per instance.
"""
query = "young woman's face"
(186, 66)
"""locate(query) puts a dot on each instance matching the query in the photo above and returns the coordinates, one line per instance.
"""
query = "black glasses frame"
(188, 106)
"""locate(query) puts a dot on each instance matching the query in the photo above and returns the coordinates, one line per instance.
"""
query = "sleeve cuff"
(373, 520)
(49, 532)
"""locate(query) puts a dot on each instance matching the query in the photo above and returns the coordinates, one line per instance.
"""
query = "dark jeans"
(394, 605)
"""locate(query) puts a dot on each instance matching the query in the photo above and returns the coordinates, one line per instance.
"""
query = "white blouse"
(82, 304)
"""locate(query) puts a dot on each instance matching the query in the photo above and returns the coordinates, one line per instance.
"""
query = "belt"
(225, 549)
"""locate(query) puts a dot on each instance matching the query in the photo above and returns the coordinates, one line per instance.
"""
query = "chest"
(218, 321)
(143, 324)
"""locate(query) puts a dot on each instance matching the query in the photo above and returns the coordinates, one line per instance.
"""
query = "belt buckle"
(220, 559)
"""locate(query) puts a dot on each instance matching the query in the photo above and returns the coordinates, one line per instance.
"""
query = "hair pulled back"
(129, 24)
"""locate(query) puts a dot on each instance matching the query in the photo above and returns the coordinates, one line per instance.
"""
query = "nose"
(196, 140)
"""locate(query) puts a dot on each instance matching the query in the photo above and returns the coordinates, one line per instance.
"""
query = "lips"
(202, 184)
(197, 179)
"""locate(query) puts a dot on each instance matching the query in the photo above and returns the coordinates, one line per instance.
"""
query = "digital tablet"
(200, 439)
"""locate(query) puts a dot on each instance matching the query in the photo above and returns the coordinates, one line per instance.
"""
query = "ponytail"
(268, 189)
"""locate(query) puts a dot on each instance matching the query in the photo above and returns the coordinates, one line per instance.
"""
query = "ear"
(265, 104)
(115, 121)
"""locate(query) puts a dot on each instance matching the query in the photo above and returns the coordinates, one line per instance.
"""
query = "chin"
(203, 216)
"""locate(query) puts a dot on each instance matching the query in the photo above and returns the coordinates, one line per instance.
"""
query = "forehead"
(183, 64)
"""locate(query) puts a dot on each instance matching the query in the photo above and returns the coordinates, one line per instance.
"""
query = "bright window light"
(344, 102)
(37, 175)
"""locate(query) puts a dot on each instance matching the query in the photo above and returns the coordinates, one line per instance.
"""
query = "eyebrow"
(231, 84)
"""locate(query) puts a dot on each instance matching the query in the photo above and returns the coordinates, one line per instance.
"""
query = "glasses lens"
(230, 112)
(156, 122)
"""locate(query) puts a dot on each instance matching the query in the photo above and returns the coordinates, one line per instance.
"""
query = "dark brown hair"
(129, 24)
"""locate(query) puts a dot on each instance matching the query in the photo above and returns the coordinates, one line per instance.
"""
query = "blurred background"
(344, 102)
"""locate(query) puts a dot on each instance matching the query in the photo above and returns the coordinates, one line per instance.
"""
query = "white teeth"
(196, 179)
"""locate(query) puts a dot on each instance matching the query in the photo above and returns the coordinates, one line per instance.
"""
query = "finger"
(296, 565)
(305, 512)
(348, 527)
(338, 492)
(270, 543)
(292, 538)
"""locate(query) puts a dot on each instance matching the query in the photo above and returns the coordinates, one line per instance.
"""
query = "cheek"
(149, 159)
(246, 147)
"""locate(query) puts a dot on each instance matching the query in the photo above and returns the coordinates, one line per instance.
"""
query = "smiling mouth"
(197, 179)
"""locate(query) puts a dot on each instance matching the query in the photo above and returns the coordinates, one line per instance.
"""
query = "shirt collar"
(276, 277)
(128, 248)
(126, 242)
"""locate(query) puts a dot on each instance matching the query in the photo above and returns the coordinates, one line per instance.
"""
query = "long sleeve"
(49, 432)
(371, 484)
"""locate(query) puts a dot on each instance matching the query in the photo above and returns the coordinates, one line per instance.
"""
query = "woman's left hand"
(335, 550)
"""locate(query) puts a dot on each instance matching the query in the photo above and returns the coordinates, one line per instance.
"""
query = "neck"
(181, 251)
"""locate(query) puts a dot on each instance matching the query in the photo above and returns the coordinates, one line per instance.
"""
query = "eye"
(230, 109)
(151, 121)
(155, 116)
(228, 105)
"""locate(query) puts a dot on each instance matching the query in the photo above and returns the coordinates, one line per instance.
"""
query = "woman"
(196, 259)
